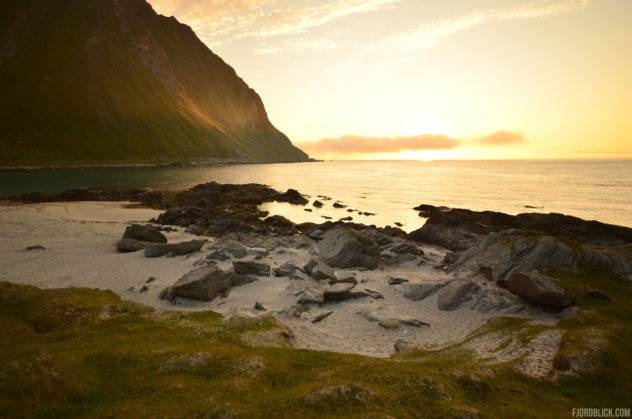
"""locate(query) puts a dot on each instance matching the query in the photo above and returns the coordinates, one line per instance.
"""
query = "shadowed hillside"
(110, 81)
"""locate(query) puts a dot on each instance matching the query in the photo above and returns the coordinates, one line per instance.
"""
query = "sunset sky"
(430, 79)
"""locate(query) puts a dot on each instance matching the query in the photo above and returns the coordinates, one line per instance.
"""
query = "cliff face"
(111, 81)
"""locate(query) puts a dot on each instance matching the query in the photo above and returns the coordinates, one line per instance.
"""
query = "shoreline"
(210, 163)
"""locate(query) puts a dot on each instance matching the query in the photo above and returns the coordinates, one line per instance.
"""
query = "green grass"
(86, 353)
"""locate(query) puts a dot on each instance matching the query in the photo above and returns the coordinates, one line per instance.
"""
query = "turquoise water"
(600, 190)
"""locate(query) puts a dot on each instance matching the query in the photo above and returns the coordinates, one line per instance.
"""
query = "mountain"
(110, 81)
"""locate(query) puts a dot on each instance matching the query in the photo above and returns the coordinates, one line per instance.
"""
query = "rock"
(403, 345)
(343, 248)
(293, 196)
(374, 294)
(129, 245)
(150, 280)
(389, 323)
(347, 280)
(493, 300)
(413, 323)
(144, 289)
(406, 247)
(131, 289)
(319, 270)
(237, 280)
(168, 295)
(396, 281)
(417, 292)
(598, 294)
(317, 204)
(36, 247)
(309, 293)
(236, 249)
(455, 293)
(321, 317)
(450, 238)
(539, 289)
(145, 233)
(251, 268)
(287, 269)
(369, 315)
(156, 250)
(259, 306)
(568, 312)
(339, 292)
(220, 255)
(338, 205)
(202, 284)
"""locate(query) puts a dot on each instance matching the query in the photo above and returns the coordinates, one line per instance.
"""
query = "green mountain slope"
(110, 81)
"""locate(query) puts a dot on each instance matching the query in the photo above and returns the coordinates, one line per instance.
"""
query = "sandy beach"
(80, 238)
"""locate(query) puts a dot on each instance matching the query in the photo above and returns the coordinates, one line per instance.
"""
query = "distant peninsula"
(91, 82)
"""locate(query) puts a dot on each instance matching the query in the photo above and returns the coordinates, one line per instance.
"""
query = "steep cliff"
(111, 81)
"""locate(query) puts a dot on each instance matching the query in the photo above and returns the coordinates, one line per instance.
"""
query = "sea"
(387, 190)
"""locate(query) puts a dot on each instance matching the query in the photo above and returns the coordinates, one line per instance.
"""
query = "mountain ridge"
(112, 82)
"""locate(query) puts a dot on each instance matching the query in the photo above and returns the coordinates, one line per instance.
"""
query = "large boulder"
(346, 248)
(153, 250)
(145, 233)
(455, 293)
(202, 284)
(539, 289)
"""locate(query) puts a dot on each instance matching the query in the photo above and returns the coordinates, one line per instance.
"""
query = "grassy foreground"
(86, 353)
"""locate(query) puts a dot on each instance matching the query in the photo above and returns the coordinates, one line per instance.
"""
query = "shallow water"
(600, 190)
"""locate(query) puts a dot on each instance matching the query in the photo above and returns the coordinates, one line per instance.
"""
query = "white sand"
(80, 252)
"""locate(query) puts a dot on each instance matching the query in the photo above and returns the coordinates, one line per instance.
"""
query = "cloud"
(406, 46)
(220, 21)
(354, 144)
(326, 42)
(501, 138)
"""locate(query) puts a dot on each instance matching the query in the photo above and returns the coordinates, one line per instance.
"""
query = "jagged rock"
(389, 323)
(342, 248)
(129, 245)
(455, 293)
(321, 317)
(319, 270)
(175, 249)
(202, 284)
(539, 289)
(287, 269)
(347, 280)
(417, 292)
(145, 233)
(251, 268)
(403, 345)
(237, 280)
(397, 281)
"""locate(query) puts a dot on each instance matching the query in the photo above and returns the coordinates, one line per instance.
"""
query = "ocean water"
(600, 190)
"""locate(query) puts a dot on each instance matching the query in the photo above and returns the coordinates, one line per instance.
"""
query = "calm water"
(600, 190)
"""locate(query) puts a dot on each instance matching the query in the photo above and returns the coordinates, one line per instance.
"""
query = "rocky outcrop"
(451, 238)
(345, 248)
(539, 289)
(463, 221)
(518, 251)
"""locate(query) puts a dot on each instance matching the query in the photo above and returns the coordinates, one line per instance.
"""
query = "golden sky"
(432, 79)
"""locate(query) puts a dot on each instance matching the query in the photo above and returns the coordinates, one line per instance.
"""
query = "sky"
(432, 79)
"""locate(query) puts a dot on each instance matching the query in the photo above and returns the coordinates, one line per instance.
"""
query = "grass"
(85, 353)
